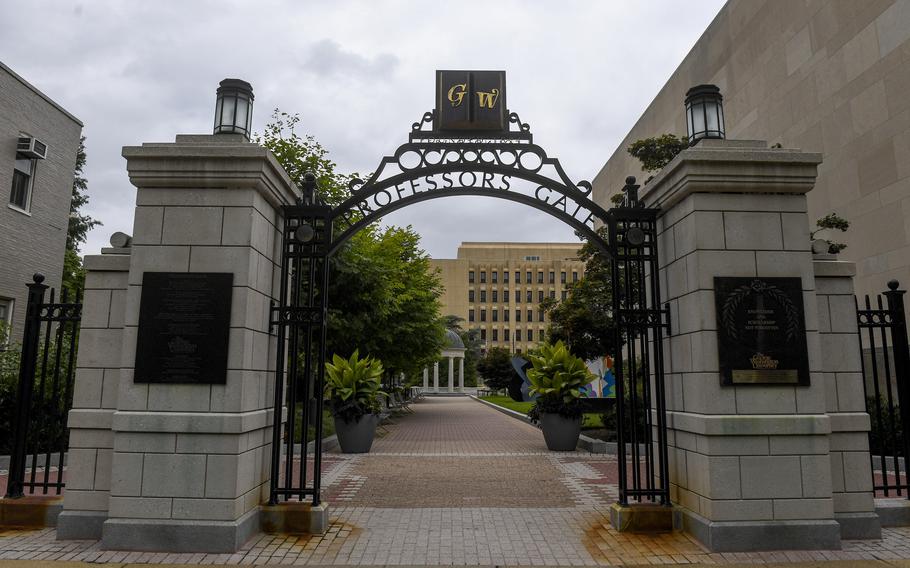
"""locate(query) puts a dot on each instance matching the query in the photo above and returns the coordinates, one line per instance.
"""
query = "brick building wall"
(33, 241)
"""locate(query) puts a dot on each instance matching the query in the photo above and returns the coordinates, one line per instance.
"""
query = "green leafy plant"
(557, 376)
(352, 386)
(831, 221)
(656, 152)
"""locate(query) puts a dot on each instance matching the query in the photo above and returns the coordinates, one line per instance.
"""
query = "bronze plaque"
(761, 331)
(184, 325)
(471, 100)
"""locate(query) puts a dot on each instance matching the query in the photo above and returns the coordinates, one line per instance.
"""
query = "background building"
(820, 75)
(497, 288)
(38, 145)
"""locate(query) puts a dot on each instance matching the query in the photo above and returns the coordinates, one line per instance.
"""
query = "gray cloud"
(359, 73)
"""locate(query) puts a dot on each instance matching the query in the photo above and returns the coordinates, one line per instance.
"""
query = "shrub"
(557, 377)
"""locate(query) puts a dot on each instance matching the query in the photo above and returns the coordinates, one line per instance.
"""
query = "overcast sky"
(358, 73)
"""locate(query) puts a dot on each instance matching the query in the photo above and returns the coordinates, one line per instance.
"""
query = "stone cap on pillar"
(732, 166)
(210, 161)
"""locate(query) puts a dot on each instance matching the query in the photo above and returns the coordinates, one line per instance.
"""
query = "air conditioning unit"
(32, 148)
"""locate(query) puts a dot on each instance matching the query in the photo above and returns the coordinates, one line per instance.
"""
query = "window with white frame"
(23, 180)
(6, 315)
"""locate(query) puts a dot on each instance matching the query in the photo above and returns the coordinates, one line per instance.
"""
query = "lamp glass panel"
(720, 117)
(711, 115)
(218, 112)
(689, 120)
(242, 108)
(698, 117)
(227, 112)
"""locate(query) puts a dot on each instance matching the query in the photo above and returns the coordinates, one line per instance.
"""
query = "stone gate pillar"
(753, 466)
(190, 461)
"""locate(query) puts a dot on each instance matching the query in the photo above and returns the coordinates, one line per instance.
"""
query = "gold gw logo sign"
(471, 101)
(484, 99)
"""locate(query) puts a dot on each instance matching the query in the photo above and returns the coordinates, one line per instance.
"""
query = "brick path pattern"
(458, 483)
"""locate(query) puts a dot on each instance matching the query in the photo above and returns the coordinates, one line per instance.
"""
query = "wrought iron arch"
(493, 161)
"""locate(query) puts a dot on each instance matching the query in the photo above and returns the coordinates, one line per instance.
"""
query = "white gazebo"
(453, 349)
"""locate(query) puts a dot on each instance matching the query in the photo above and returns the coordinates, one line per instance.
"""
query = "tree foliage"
(584, 320)
(656, 152)
(79, 225)
(383, 294)
(496, 368)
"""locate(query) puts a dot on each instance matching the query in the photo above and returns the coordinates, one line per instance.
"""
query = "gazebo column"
(436, 376)
(451, 374)
(461, 373)
(426, 379)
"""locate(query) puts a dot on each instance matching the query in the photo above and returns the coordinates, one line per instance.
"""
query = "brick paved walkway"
(459, 483)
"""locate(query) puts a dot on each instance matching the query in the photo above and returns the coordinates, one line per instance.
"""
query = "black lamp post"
(234, 108)
(704, 113)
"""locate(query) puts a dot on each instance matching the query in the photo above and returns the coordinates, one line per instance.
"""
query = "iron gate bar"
(890, 321)
(40, 422)
(637, 310)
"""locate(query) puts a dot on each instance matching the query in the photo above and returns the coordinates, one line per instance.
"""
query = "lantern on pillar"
(234, 108)
(704, 113)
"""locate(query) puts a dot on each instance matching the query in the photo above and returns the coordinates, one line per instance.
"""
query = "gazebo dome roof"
(453, 341)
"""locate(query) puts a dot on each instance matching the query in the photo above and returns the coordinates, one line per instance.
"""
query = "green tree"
(383, 294)
(79, 225)
(472, 345)
(831, 221)
(496, 368)
(584, 320)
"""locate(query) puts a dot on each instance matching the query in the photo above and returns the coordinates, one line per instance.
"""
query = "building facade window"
(528, 277)
(505, 295)
(518, 337)
(530, 335)
(483, 334)
(552, 277)
(495, 314)
(495, 295)
(470, 295)
(562, 277)
(505, 276)
(540, 315)
(494, 277)
(517, 315)
(574, 276)
(540, 277)
(495, 335)
(529, 296)
(517, 277)
(530, 315)
(483, 295)
(483, 276)
(505, 334)
(483, 314)
(564, 295)
(23, 180)
(470, 277)
(6, 315)
(471, 314)
(552, 294)
(505, 314)
(517, 296)
(540, 295)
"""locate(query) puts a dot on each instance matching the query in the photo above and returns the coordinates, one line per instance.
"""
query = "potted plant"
(557, 378)
(352, 391)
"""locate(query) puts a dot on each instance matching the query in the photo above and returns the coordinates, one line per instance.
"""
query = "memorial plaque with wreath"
(761, 332)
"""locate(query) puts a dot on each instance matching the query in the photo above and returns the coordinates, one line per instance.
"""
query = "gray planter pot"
(356, 437)
(561, 434)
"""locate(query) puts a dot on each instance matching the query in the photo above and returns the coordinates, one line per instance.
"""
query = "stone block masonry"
(756, 467)
(188, 464)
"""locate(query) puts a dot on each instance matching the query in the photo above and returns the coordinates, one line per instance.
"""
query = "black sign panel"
(184, 324)
(471, 100)
(761, 331)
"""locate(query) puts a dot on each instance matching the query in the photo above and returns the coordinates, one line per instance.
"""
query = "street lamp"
(704, 113)
(234, 107)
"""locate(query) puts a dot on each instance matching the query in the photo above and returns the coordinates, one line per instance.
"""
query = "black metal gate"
(45, 391)
(886, 361)
(435, 164)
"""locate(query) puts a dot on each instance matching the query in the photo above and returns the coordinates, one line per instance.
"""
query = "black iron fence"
(886, 362)
(45, 391)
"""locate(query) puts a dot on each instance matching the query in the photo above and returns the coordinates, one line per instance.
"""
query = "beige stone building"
(824, 76)
(497, 288)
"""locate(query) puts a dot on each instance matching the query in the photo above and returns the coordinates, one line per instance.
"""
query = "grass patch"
(591, 421)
